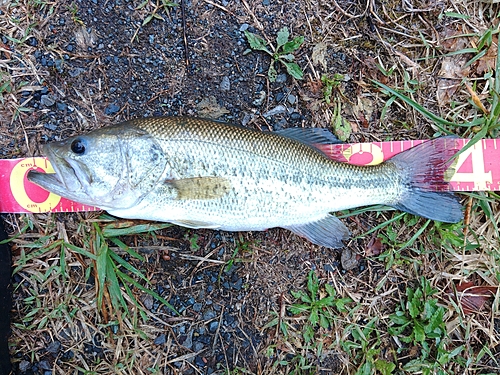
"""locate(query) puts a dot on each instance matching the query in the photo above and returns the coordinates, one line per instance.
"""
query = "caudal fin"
(426, 168)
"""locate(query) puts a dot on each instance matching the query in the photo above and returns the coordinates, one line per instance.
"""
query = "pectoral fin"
(201, 187)
(329, 232)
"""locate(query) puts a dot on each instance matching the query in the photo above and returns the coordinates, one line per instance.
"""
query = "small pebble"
(212, 327)
(44, 365)
(199, 361)
(244, 27)
(281, 78)
(292, 99)
(47, 100)
(76, 72)
(24, 366)
(225, 84)
(261, 96)
(329, 268)
(160, 340)
(275, 111)
(32, 42)
(111, 109)
(54, 347)
(210, 314)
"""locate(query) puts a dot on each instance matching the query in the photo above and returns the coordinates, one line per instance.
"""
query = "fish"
(200, 173)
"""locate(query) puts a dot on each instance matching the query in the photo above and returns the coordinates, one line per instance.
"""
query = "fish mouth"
(68, 181)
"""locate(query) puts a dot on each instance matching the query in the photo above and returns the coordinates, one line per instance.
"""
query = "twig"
(184, 34)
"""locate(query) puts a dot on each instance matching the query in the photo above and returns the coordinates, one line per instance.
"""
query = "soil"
(98, 64)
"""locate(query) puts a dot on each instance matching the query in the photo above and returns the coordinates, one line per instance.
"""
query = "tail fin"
(427, 168)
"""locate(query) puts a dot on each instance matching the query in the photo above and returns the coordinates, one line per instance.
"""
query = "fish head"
(111, 168)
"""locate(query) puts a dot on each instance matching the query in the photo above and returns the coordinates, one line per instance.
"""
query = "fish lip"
(65, 181)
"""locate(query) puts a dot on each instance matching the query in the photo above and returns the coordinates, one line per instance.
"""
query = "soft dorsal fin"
(200, 187)
(310, 136)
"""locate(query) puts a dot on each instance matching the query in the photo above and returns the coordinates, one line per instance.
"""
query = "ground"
(392, 301)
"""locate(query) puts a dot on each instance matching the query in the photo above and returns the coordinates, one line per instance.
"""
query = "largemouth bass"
(204, 174)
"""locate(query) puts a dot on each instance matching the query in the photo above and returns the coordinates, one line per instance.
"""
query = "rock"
(244, 27)
(44, 365)
(348, 259)
(292, 99)
(238, 284)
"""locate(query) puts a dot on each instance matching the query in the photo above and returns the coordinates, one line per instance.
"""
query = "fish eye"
(78, 146)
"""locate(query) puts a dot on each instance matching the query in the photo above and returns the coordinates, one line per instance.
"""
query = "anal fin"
(329, 232)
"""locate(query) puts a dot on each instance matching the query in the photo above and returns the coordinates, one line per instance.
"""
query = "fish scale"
(205, 174)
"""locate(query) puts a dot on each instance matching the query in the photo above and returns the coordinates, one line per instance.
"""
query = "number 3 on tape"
(38, 200)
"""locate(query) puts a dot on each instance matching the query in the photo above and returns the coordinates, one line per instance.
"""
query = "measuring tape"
(477, 169)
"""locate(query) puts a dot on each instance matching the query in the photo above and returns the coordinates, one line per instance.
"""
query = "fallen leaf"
(319, 54)
(374, 247)
(363, 111)
(208, 107)
(488, 61)
(471, 298)
(452, 67)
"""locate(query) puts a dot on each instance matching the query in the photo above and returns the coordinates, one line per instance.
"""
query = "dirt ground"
(72, 66)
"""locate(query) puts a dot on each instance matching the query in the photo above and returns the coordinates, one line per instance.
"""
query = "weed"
(242, 247)
(418, 322)
(316, 307)
(283, 52)
(162, 4)
(329, 84)
(364, 346)
(73, 9)
(341, 127)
